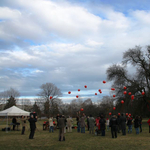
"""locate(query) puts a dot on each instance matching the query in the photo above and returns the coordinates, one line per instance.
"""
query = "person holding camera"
(32, 121)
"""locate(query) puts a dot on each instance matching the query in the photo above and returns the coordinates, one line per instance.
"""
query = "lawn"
(74, 141)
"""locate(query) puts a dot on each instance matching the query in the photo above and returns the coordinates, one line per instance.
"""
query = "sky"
(69, 43)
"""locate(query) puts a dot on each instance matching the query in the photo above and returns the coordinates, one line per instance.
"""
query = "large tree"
(136, 82)
(49, 97)
(9, 97)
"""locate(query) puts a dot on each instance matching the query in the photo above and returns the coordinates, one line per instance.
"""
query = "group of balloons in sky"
(113, 89)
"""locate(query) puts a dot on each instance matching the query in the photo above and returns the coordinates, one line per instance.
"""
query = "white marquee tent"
(13, 111)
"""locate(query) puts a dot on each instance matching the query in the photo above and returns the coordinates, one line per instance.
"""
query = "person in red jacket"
(149, 123)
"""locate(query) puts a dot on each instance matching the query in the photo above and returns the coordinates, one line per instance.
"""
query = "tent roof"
(14, 111)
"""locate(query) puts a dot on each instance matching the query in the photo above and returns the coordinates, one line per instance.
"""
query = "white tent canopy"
(14, 111)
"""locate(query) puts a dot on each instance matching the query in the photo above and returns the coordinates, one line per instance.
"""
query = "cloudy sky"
(70, 43)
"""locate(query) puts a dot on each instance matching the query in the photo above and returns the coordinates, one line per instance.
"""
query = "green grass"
(74, 141)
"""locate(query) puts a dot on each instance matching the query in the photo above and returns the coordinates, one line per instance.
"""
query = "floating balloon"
(104, 82)
(118, 114)
(114, 95)
(114, 108)
(81, 109)
(129, 93)
(69, 92)
(85, 86)
(143, 93)
(51, 97)
(132, 97)
(126, 114)
(78, 89)
(77, 96)
(112, 89)
(95, 93)
(125, 87)
(110, 113)
(129, 114)
(122, 102)
(99, 90)
(125, 92)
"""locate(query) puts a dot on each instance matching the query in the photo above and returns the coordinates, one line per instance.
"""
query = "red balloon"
(99, 90)
(125, 87)
(114, 108)
(69, 92)
(125, 92)
(114, 95)
(104, 82)
(85, 86)
(77, 96)
(81, 109)
(95, 93)
(51, 97)
(129, 114)
(112, 89)
(118, 114)
(78, 89)
(126, 114)
(132, 97)
(122, 102)
(143, 93)
(129, 93)
(110, 113)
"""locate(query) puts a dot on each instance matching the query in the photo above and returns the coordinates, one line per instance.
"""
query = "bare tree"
(49, 98)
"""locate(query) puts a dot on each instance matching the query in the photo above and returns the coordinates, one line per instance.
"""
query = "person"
(69, 124)
(102, 125)
(97, 122)
(140, 123)
(82, 123)
(123, 124)
(32, 121)
(61, 125)
(129, 124)
(14, 121)
(23, 122)
(57, 117)
(107, 124)
(113, 124)
(51, 125)
(136, 124)
(78, 124)
(119, 124)
(91, 124)
(149, 123)
(88, 123)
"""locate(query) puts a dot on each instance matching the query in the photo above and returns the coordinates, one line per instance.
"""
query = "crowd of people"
(117, 124)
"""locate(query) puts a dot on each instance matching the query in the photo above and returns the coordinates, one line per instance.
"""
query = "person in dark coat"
(113, 124)
(78, 124)
(61, 126)
(32, 121)
(129, 124)
(88, 122)
(14, 121)
(119, 123)
(123, 124)
(140, 123)
(136, 124)
(102, 125)
(57, 117)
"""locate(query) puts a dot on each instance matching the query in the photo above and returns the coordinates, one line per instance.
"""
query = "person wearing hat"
(113, 124)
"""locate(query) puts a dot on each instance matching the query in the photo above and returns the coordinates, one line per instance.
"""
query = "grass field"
(13, 140)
